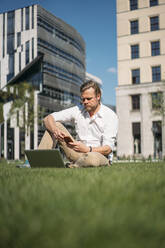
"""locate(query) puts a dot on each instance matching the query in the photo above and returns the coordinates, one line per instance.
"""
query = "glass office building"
(41, 49)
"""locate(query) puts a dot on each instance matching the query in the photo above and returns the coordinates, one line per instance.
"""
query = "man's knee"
(92, 159)
(47, 141)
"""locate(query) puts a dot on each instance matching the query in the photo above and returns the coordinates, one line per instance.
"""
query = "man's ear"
(98, 97)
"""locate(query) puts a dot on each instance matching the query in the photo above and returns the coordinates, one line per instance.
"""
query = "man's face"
(90, 100)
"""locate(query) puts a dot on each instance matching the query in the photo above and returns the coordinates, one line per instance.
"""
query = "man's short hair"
(90, 84)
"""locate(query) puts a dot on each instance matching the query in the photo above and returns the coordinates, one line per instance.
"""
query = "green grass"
(121, 206)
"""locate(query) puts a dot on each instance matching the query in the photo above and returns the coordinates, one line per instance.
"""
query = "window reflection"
(63, 97)
(27, 53)
(27, 18)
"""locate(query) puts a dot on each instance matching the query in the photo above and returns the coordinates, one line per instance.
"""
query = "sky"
(96, 23)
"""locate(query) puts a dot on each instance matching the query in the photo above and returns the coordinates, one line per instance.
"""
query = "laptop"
(45, 158)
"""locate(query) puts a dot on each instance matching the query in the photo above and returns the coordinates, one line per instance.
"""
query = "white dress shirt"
(98, 130)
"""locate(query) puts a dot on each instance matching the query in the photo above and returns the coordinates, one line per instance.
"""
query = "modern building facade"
(141, 76)
(39, 48)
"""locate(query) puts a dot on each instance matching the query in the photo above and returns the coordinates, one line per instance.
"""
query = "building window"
(157, 100)
(32, 16)
(155, 48)
(10, 32)
(21, 19)
(156, 73)
(19, 61)
(27, 18)
(59, 52)
(10, 22)
(11, 67)
(32, 48)
(154, 23)
(58, 33)
(135, 102)
(60, 73)
(133, 4)
(27, 53)
(134, 51)
(11, 64)
(3, 35)
(134, 27)
(153, 3)
(10, 43)
(136, 76)
(136, 137)
(18, 39)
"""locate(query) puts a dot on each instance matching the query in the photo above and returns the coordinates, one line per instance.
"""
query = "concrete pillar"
(0, 141)
(163, 127)
(36, 119)
(146, 126)
(5, 139)
(27, 129)
(124, 137)
(16, 143)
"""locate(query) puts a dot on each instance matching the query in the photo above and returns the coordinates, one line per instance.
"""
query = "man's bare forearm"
(80, 147)
(50, 123)
(105, 150)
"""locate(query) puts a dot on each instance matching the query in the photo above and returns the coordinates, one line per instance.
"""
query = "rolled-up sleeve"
(65, 115)
(110, 131)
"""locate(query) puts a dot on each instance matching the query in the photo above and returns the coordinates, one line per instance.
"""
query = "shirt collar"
(100, 112)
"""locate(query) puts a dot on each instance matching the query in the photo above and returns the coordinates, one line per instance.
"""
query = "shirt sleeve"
(110, 131)
(65, 115)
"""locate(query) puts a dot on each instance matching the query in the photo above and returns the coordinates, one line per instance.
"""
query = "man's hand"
(59, 135)
(78, 146)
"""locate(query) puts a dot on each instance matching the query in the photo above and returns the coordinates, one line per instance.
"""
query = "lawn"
(120, 206)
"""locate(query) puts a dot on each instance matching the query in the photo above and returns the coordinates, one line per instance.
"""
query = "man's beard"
(91, 108)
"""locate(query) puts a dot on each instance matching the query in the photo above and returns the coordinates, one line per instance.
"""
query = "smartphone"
(68, 139)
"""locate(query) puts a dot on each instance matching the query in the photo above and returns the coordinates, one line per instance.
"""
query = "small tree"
(22, 95)
(5, 96)
(158, 105)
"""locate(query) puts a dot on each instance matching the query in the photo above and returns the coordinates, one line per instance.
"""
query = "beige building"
(141, 76)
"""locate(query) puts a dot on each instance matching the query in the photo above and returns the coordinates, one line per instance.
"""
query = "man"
(96, 127)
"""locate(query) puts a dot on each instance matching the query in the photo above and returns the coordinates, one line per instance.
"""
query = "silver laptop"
(45, 158)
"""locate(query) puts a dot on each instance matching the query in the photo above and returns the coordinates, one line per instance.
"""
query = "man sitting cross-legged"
(96, 128)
